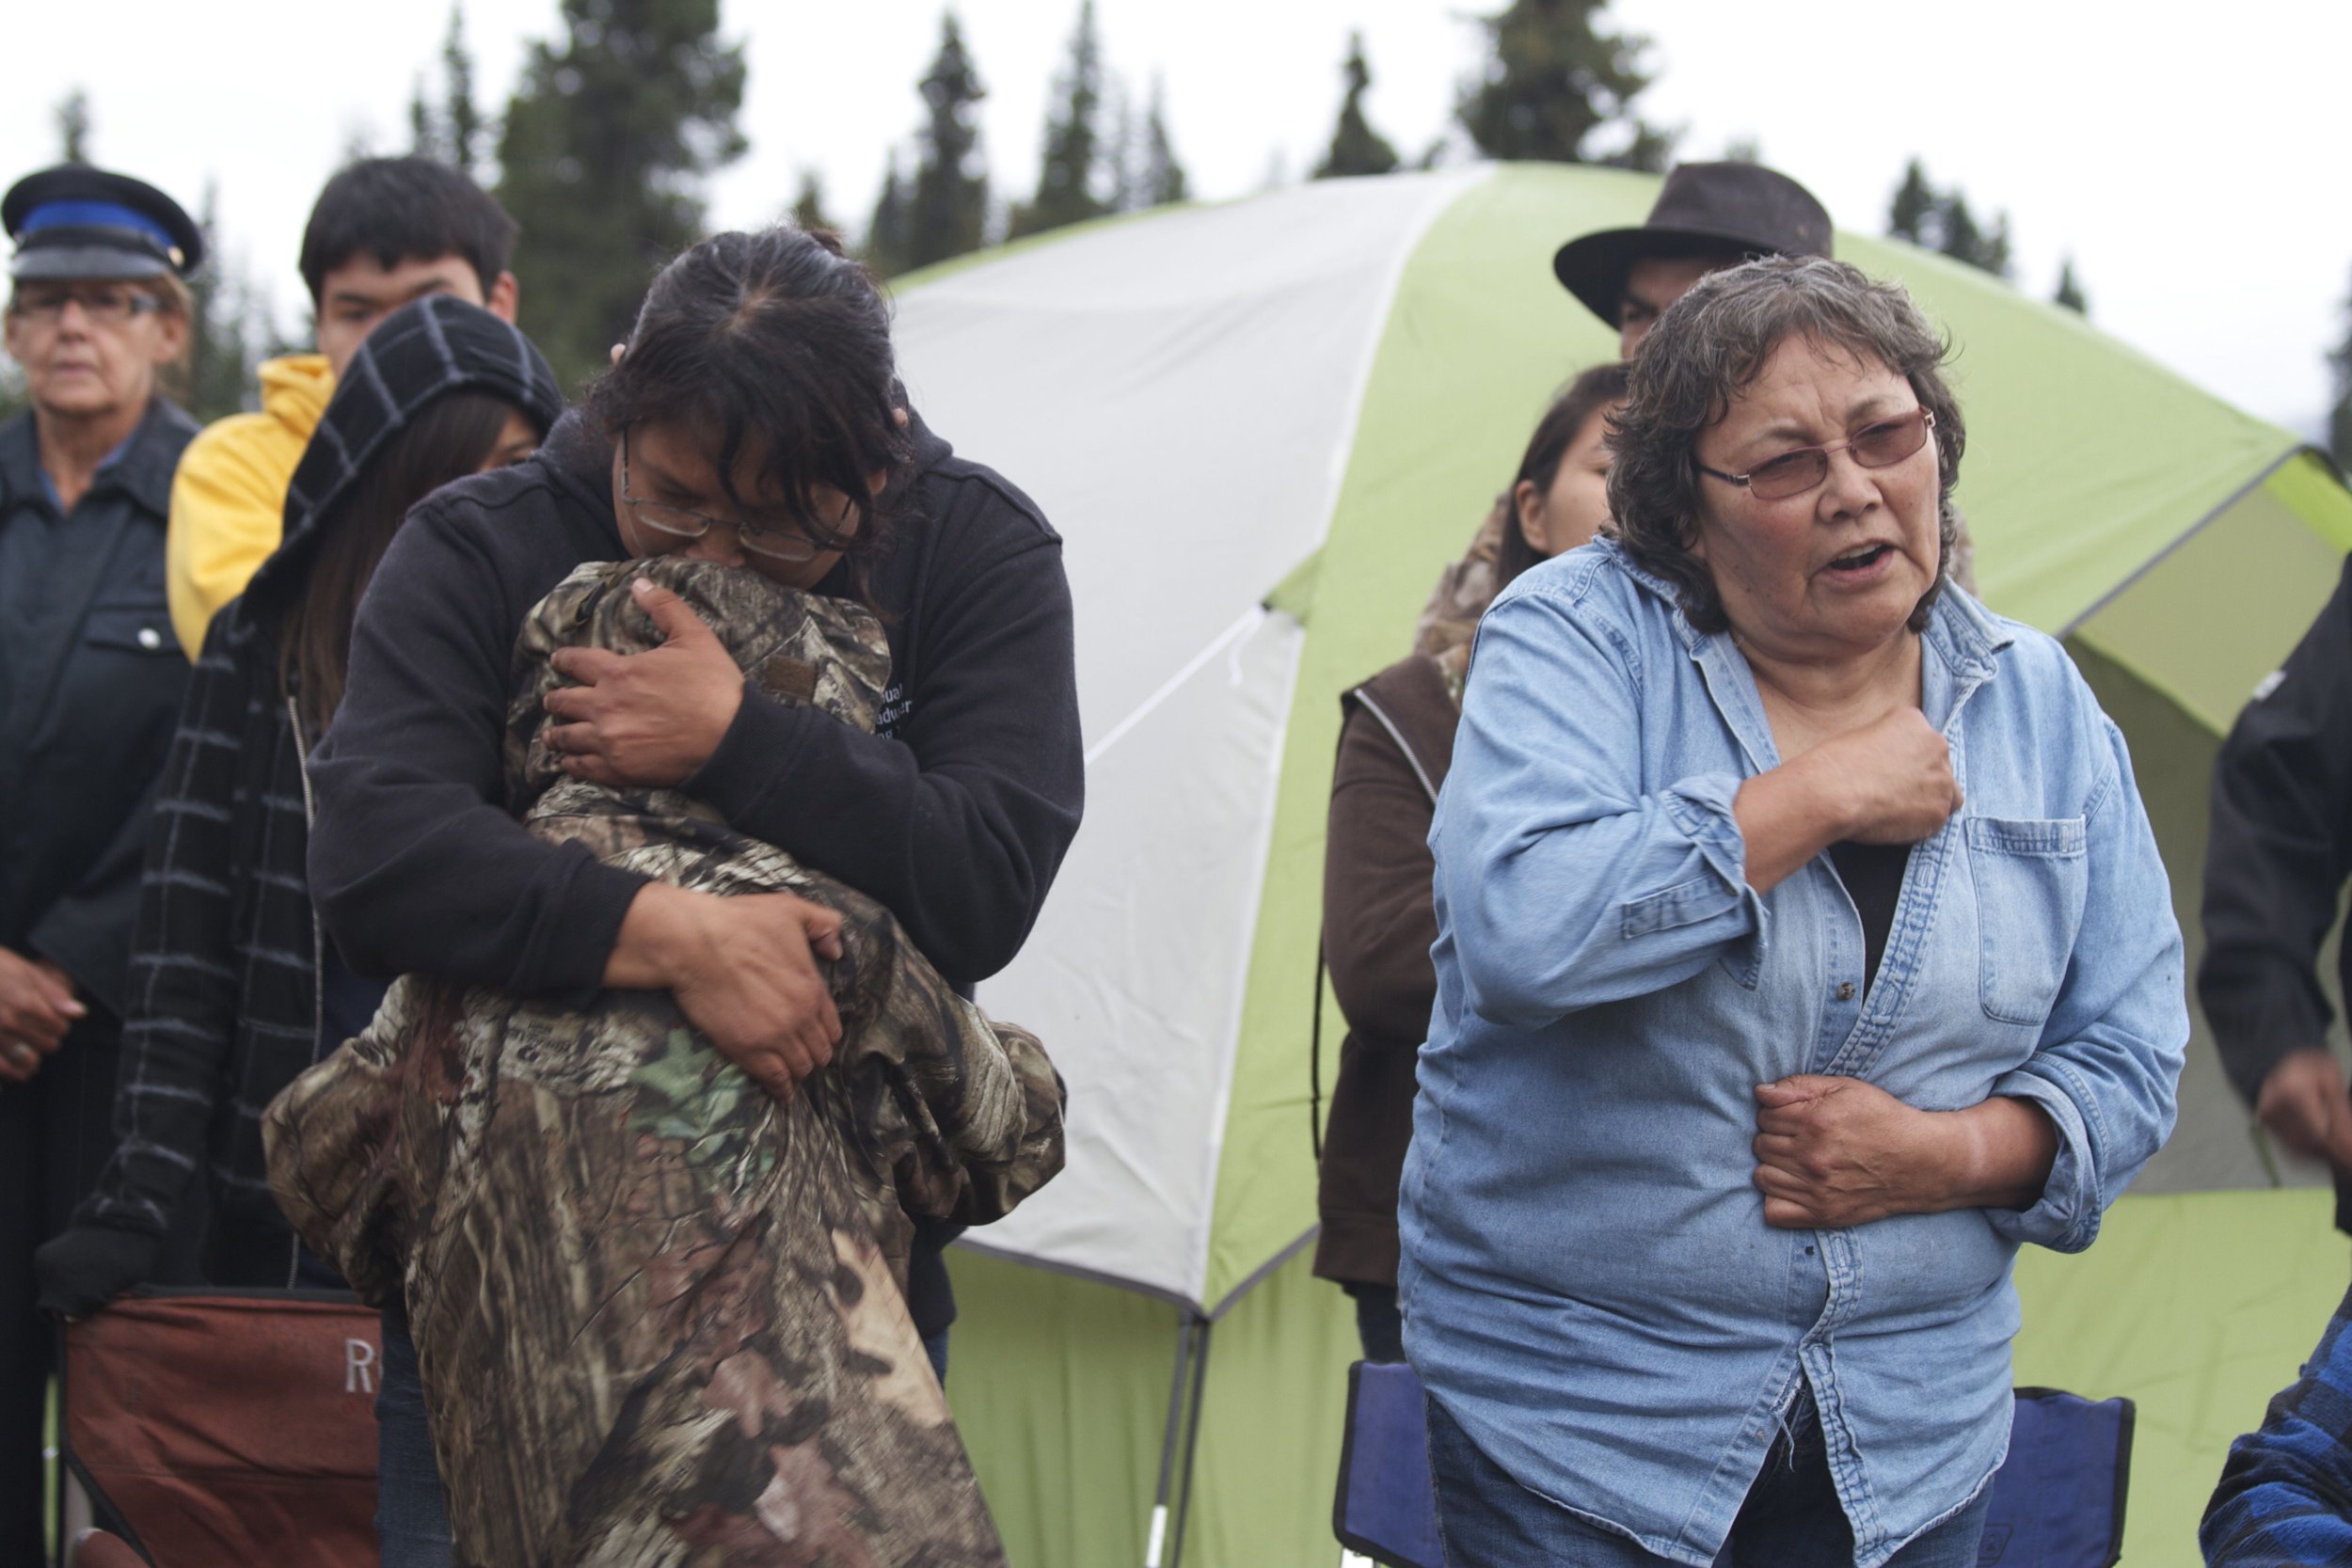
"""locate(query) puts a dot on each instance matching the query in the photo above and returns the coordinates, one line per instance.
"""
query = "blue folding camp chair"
(2058, 1501)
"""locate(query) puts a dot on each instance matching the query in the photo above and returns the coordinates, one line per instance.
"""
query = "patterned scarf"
(1449, 622)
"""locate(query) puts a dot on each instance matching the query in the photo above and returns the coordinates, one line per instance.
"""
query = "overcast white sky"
(2192, 171)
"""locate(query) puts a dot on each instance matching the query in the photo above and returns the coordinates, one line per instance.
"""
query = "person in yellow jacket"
(385, 232)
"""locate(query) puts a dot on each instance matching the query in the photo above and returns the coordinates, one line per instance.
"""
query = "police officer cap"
(74, 221)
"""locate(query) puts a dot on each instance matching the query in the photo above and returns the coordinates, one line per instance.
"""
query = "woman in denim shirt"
(1803, 949)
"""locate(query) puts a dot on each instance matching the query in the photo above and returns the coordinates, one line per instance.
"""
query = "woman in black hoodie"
(233, 991)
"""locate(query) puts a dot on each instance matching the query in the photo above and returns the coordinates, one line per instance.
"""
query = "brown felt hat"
(1703, 207)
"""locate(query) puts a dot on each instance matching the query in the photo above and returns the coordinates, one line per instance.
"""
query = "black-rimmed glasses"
(1881, 445)
(681, 522)
(105, 305)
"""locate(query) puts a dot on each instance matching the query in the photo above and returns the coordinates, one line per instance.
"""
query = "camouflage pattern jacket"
(659, 1316)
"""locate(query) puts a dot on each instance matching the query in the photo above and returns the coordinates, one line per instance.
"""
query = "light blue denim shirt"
(1589, 1285)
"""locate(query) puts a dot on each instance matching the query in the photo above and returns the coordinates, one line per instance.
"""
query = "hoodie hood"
(421, 352)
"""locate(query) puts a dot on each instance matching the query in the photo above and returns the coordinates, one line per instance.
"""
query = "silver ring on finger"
(23, 1053)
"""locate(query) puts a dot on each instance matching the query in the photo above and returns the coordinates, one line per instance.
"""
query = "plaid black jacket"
(2285, 1496)
(222, 1005)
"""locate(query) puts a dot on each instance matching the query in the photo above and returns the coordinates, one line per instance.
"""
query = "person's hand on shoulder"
(646, 721)
(745, 972)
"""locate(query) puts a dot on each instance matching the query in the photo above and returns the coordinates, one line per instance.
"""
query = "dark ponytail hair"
(780, 341)
(453, 437)
(1556, 432)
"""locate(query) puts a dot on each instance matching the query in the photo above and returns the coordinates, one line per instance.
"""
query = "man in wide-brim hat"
(1709, 216)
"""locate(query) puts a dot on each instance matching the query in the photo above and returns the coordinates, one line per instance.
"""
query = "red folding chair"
(223, 1429)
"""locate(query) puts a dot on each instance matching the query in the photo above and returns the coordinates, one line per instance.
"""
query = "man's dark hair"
(778, 340)
(404, 209)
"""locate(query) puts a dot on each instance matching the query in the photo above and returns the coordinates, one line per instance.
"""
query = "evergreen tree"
(221, 338)
(1912, 216)
(1123, 151)
(1957, 235)
(2340, 416)
(1065, 182)
(1554, 76)
(74, 125)
(1941, 221)
(889, 233)
(604, 140)
(808, 207)
(950, 198)
(461, 123)
(1160, 178)
(1356, 147)
(2070, 289)
(424, 131)
(452, 131)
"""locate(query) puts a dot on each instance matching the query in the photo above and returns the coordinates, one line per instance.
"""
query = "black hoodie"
(222, 1008)
(955, 814)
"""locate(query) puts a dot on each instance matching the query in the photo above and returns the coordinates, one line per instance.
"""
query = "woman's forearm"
(1786, 815)
(2002, 1155)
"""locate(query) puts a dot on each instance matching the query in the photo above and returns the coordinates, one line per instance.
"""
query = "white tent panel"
(1135, 974)
(1194, 459)
(1199, 429)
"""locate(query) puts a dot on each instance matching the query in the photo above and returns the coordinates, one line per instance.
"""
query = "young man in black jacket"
(955, 814)
(2276, 861)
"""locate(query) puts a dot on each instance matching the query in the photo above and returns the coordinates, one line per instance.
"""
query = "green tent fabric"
(2178, 545)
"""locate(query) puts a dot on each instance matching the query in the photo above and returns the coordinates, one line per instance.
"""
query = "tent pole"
(1167, 1443)
(1192, 1435)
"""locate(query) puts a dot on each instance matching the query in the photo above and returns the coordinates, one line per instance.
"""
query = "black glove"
(91, 1264)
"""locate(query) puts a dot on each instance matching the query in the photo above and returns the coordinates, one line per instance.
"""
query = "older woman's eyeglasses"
(1792, 474)
(684, 523)
(103, 305)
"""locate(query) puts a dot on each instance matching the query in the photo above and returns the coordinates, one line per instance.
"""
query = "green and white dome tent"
(1263, 428)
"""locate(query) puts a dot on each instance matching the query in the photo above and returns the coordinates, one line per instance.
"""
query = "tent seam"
(1450, 192)
(2226, 503)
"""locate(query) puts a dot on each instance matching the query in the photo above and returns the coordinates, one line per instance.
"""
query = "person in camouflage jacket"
(658, 1313)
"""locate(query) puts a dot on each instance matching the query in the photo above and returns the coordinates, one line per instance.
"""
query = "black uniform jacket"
(90, 677)
(2279, 854)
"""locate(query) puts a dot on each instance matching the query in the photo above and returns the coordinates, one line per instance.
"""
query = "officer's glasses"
(102, 305)
(684, 523)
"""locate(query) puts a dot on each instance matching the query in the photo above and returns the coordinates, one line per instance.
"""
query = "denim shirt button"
(1844, 991)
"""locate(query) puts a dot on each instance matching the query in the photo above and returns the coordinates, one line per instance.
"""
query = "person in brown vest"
(1396, 738)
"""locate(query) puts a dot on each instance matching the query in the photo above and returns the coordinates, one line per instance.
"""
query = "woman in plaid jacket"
(232, 989)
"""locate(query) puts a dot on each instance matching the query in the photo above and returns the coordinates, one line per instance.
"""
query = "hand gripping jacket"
(660, 1315)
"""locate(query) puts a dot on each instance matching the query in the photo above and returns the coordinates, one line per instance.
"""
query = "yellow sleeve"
(227, 512)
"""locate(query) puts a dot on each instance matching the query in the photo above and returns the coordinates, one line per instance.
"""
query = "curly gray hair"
(1707, 349)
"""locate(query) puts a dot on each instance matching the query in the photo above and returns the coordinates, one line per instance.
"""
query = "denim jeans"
(411, 1514)
(1791, 1517)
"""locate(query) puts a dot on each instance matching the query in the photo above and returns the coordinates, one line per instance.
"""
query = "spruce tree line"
(618, 118)
(1941, 221)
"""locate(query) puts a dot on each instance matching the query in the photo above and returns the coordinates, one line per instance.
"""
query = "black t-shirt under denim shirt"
(1873, 874)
